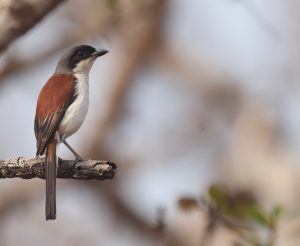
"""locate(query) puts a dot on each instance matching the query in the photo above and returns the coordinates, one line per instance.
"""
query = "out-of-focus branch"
(67, 169)
(82, 29)
(18, 16)
(264, 23)
(140, 34)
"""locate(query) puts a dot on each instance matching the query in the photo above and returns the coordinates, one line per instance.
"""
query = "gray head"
(78, 59)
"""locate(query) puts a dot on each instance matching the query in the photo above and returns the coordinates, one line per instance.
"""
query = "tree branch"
(18, 16)
(67, 169)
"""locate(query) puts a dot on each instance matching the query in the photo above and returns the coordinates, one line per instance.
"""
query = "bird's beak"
(99, 52)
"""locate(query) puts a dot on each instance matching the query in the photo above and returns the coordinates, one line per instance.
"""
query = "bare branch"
(67, 169)
(18, 16)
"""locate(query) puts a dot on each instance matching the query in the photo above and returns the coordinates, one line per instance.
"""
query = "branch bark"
(18, 16)
(67, 169)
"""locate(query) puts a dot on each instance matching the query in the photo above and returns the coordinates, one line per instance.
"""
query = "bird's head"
(78, 59)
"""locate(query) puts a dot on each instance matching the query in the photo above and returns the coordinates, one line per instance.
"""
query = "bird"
(61, 108)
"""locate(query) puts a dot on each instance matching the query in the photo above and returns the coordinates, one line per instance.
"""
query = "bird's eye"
(80, 53)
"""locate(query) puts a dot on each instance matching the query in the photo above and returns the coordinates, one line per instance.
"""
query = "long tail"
(51, 163)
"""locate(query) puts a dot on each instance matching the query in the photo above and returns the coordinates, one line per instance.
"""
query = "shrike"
(61, 109)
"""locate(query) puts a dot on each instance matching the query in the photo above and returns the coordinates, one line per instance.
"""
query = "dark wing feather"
(45, 129)
(54, 99)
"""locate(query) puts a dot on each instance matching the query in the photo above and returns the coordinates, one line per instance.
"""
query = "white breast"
(77, 111)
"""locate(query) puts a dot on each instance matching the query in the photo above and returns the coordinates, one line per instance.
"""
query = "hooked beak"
(99, 52)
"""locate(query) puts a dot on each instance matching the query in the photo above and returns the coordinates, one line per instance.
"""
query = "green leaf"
(259, 216)
(276, 212)
(112, 3)
(218, 196)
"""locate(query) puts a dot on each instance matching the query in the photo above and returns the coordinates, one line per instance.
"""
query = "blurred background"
(196, 100)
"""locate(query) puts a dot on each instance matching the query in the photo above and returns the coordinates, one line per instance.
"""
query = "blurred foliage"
(112, 3)
(238, 211)
(187, 203)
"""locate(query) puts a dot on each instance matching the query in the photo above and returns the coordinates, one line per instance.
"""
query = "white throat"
(84, 66)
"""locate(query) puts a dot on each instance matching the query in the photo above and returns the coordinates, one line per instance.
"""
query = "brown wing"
(55, 97)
